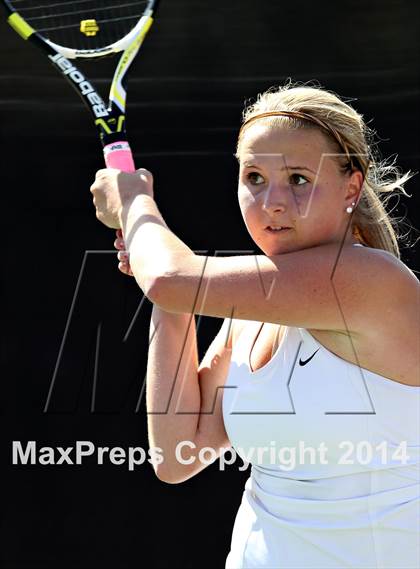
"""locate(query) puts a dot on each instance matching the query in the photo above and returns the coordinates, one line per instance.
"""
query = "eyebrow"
(250, 165)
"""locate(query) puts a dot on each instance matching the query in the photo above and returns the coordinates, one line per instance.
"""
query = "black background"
(199, 64)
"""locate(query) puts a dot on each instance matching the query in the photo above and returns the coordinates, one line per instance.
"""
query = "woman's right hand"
(123, 255)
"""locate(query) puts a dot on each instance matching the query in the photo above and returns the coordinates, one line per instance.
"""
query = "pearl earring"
(350, 209)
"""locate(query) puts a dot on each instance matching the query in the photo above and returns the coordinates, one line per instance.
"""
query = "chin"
(270, 251)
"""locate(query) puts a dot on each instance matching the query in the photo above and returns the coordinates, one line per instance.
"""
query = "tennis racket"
(67, 30)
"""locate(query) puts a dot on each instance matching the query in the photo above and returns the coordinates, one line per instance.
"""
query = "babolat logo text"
(118, 146)
(98, 106)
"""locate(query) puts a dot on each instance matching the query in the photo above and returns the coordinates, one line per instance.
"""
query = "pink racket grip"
(118, 155)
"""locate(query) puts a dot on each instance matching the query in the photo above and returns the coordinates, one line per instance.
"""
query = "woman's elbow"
(152, 285)
(162, 291)
(171, 477)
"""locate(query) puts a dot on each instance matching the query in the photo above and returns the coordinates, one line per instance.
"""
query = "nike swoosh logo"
(303, 363)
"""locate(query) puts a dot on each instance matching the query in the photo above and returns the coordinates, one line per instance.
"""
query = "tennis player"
(314, 375)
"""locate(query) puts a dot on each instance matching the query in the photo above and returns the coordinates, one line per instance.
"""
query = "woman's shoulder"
(392, 295)
(392, 279)
(395, 265)
(387, 342)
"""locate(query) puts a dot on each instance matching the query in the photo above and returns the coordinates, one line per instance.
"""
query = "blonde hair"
(371, 223)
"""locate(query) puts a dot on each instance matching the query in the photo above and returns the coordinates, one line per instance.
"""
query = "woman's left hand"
(112, 189)
(123, 255)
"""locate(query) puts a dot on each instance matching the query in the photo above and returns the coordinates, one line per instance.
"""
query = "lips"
(277, 229)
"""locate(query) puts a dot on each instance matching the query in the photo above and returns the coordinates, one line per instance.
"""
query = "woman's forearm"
(172, 390)
(154, 249)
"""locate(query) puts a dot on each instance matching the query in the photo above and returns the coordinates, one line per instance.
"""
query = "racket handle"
(118, 155)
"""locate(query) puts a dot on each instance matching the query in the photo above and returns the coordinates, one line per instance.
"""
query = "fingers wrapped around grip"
(123, 255)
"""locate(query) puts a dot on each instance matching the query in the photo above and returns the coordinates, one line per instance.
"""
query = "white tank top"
(346, 491)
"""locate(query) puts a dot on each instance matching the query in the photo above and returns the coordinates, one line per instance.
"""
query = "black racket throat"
(109, 119)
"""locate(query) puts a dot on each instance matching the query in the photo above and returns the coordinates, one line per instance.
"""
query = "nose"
(276, 198)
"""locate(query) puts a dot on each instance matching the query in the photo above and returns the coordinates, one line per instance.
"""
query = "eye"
(295, 177)
(252, 178)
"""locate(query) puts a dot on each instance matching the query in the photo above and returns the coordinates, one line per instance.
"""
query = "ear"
(354, 187)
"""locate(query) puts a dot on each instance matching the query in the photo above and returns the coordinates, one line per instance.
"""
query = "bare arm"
(183, 402)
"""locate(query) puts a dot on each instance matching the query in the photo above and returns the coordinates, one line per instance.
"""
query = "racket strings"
(83, 11)
(82, 24)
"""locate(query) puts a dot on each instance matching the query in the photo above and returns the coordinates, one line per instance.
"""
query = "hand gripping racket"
(90, 29)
